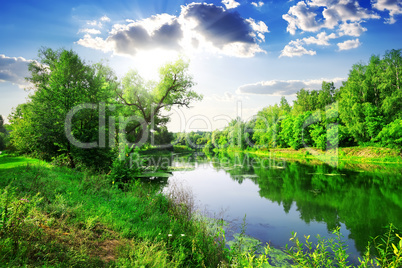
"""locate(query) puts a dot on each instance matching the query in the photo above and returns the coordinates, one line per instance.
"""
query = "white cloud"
(285, 87)
(98, 23)
(241, 50)
(260, 29)
(349, 44)
(105, 18)
(351, 29)
(14, 70)
(89, 31)
(160, 31)
(295, 48)
(338, 18)
(259, 4)
(301, 16)
(95, 43)
(200, 27)
(321, 39)
(229, 4)
(304, 15)
(394, 7)
(349, 10)
(94, 23)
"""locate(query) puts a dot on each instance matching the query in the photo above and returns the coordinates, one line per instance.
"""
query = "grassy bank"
(368, 155)
(60, 217)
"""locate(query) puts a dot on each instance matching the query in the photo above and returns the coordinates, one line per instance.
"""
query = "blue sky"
(244, 55)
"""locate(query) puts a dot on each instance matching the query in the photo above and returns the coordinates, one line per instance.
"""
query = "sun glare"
(148, 62)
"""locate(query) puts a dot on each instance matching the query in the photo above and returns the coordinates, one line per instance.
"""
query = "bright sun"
(148, 62)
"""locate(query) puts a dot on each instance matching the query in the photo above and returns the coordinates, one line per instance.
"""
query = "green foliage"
(268, 125)
(62, 81)
(372, 96)
(373, 121)
(27, 240)
(301, 135)
(3, 134)
(388, 248)
(147, 254)
(391, 135)
(76, 215)
(332, 252)
(162, 136)
(125, 167)
(326, 253)
(147, 100)
(319, 137)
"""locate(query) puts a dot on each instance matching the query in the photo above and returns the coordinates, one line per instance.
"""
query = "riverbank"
(59, 217)
(52, 216)
(358, 155)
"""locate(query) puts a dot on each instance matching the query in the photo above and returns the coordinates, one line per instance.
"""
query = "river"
(278, 196)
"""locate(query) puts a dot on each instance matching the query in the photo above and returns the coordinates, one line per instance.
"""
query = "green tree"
(3, 134)
(284, 105)
(326, 95)
(146, 100)
(352, 95)
(162, 136)
(318, 134)
(62, 81)
(220, 139)
(373, 121)
(391, 135)
(372, 96)
(390, 85)
(306, 100)
(2, 128)
(286, 133)
(301, 131)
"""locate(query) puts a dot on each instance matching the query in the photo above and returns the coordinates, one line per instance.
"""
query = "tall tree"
(61, 82)
(306, 100)
(390, 85)
(372, 96)
(284, 105)
(2, 128)
(2, 134)
(326, 95)
(147, 100)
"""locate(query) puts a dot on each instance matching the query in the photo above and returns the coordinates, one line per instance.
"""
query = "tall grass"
(60, 217)
(74, 218)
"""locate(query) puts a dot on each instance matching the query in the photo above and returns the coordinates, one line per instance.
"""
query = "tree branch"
(131, 104)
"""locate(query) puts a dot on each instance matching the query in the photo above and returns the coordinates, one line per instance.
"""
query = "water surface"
(279, 196)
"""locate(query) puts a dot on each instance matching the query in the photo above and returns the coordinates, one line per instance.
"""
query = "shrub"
(391, 135)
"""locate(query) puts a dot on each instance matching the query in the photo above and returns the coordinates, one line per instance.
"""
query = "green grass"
(59, 217)
(367, 155)
(77, 219)
(8, 162)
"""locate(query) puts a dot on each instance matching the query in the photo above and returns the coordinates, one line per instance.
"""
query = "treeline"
(3, 134)
(366, 110)
(80, 113)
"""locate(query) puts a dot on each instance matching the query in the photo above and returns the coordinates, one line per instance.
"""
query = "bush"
(126, 166)
(391, 135)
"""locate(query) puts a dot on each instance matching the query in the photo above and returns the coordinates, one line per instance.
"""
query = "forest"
(365, 111)
(80, 114)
